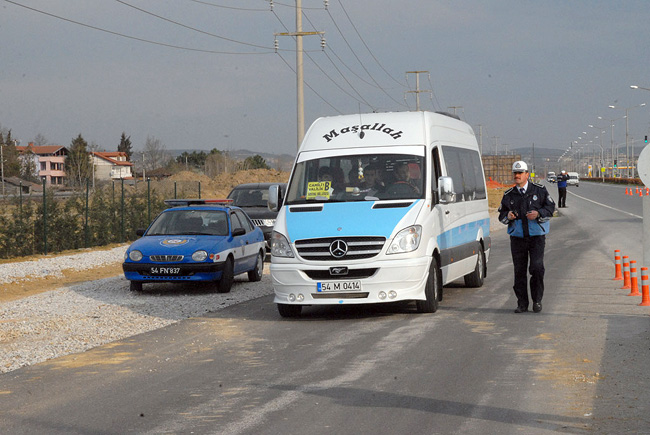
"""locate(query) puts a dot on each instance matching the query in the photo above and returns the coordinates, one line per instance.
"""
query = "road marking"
(606, 206)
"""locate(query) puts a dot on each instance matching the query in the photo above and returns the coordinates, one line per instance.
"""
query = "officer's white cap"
(564, 172)
(519, 166)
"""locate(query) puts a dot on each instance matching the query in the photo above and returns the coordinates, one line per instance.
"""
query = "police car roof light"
(188, 202)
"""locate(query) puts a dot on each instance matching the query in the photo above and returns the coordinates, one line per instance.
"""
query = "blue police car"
(196, 241)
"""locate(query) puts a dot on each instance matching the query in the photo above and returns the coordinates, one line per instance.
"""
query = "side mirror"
(140, 232)
(238, 232)
(275, 197)
(446, 190)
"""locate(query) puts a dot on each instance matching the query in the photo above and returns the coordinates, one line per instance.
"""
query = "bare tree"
(155, 155)
(40, 140)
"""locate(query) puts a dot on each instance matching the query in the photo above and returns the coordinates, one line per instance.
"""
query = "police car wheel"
(431, 291)
(476, 278)
(135, 286)
(227, 276)
(256, 274)
(287, 310)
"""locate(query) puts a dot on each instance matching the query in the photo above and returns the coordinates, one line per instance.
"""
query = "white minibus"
(380, 207)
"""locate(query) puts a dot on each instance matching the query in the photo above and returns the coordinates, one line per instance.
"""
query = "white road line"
(607, 206)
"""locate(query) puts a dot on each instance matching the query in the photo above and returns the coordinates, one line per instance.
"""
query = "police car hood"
(182, 245)
(350, 219)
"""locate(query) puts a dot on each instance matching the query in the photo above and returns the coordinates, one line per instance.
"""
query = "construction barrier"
(645, 290)
(634, 283)
(626, 273)
(618, 272)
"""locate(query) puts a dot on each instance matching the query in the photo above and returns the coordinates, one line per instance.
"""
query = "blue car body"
(196, 241)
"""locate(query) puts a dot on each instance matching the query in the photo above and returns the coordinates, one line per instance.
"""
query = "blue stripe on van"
(463, 234)
(344, 219)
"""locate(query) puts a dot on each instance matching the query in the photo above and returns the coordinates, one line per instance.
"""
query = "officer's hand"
(532, 215)
(511, 216)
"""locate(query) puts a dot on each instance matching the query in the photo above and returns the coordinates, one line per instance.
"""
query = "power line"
(133, 37)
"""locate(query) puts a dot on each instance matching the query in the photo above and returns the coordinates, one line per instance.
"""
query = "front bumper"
(168, 272)
(407, 278)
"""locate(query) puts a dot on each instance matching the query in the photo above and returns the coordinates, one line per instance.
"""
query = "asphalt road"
(473, 367)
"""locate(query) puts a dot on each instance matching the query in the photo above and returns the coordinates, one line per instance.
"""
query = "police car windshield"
(190, 222)
(357, 178)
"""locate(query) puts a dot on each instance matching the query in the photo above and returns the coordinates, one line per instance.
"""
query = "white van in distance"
(380, 207)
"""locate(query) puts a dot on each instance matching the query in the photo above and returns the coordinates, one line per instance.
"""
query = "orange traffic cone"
(626, 273)
(634, 283)
(618, 273)
(645, 290)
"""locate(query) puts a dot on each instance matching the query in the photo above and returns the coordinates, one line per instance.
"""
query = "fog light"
(300, 297)
(382, 295)
(392, 294)
(292, 298)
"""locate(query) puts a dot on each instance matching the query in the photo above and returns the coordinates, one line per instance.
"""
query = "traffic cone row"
(638, 191)
(625, 270)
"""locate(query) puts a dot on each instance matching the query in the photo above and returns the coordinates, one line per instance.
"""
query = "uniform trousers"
(528, 253)
(561, 192)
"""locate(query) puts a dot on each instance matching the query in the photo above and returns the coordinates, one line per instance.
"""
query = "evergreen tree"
(125, 146)
(77, 163)
(255, 162)
(11, 162)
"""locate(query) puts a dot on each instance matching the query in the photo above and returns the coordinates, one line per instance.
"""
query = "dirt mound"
(187, 183)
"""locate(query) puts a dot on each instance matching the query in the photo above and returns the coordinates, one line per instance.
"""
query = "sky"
(198, 75)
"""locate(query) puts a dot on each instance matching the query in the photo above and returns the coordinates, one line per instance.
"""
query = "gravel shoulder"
(49, 320)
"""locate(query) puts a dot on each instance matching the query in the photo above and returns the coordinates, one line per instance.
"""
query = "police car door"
(246, 251)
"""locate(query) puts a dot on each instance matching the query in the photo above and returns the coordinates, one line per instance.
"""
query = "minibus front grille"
(345, 248)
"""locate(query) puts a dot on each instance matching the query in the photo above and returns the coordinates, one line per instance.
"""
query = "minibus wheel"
(431, 291)
(476, 278)
(287, 310)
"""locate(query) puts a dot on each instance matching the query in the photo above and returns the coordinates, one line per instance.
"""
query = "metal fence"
(53, 222)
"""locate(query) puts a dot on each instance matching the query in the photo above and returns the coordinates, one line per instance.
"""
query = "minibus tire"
(227, 277)
(431, 291)
(287, 310)
(476, 278)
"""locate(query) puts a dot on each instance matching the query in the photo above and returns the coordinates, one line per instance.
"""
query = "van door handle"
(446, 211)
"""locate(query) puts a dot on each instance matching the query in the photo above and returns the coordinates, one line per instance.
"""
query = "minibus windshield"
(362, 177)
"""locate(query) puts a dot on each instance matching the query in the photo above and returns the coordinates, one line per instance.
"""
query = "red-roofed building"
(111, 165)
(49, 161)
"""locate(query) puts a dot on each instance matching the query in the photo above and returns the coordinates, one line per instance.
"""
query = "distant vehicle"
(574, 179)
(196, 241)
(551, 177)
(253, 198)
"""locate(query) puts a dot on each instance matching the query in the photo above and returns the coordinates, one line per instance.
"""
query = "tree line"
(78, 164)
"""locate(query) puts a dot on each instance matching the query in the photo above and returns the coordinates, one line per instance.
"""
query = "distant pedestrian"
(561, 189)
(527, 208)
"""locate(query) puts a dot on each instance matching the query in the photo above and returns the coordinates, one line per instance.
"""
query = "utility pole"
(417, 90)
(480, 138)
(454, 107)
(300, 93)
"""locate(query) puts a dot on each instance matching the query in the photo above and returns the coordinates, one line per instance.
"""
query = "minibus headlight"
(407, 240)
(280, 246)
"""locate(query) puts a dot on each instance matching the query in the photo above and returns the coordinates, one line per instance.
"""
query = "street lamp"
(627, 147)
(639, 87)
(602, 150)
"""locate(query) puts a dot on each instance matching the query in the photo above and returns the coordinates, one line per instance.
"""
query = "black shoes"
(521, 309)
(537, 307)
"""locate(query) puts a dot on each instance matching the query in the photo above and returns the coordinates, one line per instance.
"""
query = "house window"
(43, 166)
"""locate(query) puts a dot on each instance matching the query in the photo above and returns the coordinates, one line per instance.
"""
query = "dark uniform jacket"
(535, 198)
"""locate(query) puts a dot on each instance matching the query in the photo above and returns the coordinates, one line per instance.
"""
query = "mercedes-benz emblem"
(338, 248)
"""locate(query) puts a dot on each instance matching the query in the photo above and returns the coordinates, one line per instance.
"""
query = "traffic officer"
(527, 208)
(561, 189)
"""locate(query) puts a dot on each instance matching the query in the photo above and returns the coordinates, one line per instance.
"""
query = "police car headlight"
(135, 255)
(280, 246)
(199, 256)
(406, 240)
